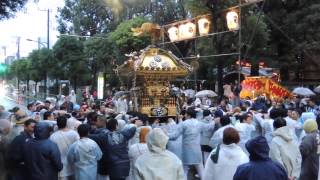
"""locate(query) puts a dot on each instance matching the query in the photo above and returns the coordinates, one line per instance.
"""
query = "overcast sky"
(30, 23)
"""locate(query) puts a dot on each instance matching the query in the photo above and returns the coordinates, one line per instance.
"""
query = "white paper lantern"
(204, 26)
(187, 31)
(173, 34)
(191, 30)
(232, 21)
(182, 29)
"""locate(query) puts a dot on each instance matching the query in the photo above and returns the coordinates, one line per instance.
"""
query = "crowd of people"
(254, 140)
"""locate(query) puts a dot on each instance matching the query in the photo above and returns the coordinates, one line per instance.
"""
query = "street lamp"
(39, 42)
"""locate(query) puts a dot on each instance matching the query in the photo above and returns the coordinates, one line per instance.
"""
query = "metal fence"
(26, 98)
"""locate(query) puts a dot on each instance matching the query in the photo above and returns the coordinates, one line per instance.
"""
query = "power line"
(213, 55)
(74, 35)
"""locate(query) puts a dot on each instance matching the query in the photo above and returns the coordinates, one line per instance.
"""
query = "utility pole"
(4, 51)
(48, 29)
(48, 46)
(18, 45)
(39, 43)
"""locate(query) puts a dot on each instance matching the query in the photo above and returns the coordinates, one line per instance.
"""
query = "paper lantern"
(187, 31)
(173, 33)
(182, 29)
(191, 30)
(204, 26)
(232, 21)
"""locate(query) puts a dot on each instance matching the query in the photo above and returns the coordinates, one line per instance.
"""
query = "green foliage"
(9, 7)
(20, 69)
(39, 65)
(101, 49)
(124, 39)
(295, 29)
(70, 60)
(85, 17)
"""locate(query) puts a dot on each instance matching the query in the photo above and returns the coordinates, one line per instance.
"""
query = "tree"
(101, 54)
(125, 41)
(39, 65)
(68, 52)
(21, 70)
(9, 7)
(85, 17)
(295, 34)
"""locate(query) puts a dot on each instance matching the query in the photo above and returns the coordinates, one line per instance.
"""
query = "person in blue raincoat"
(42, 156)
(260, 167)
(84, 154)
(173, 146)
(190, 130)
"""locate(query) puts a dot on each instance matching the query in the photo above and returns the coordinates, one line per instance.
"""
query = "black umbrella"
(232, 77)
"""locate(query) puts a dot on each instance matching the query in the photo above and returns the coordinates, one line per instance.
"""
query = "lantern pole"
(240, 45)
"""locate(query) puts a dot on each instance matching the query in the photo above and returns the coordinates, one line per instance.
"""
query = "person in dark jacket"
(42, 156)
(117, 146)
(98, 135)
(15, 155)
(260, 166)
(308, 148)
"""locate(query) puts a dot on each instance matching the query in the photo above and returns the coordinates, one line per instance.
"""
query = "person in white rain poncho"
(284, 149)
(206, 135)
(64, 137)
(190, 130)
(224, 160)
(159, 163)
(138, 149)
(245, 128)
(218, 135)
(84, 154)
(73, 97)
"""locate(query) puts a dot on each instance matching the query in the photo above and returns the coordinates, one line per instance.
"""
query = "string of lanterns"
(188, 30)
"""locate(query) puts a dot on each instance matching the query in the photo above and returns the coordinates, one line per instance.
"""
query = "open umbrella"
(317, 89)
(303, 91)
(189, 93)
(120, 93)
(206, 93)
(232, 77)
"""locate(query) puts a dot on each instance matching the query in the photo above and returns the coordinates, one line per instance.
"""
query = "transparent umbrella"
(206, 93)
(303, 91)
(189, 92)
(317, 89)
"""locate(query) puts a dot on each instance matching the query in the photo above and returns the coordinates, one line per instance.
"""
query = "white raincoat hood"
(284, 133)
(157, 140)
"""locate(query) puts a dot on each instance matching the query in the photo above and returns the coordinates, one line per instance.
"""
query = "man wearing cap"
(309, 148)
(17, 166)
(19, 117)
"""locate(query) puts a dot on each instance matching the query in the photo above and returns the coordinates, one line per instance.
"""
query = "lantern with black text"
(203, 26)
(187, 31)
(232, 21)
(173, 34)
